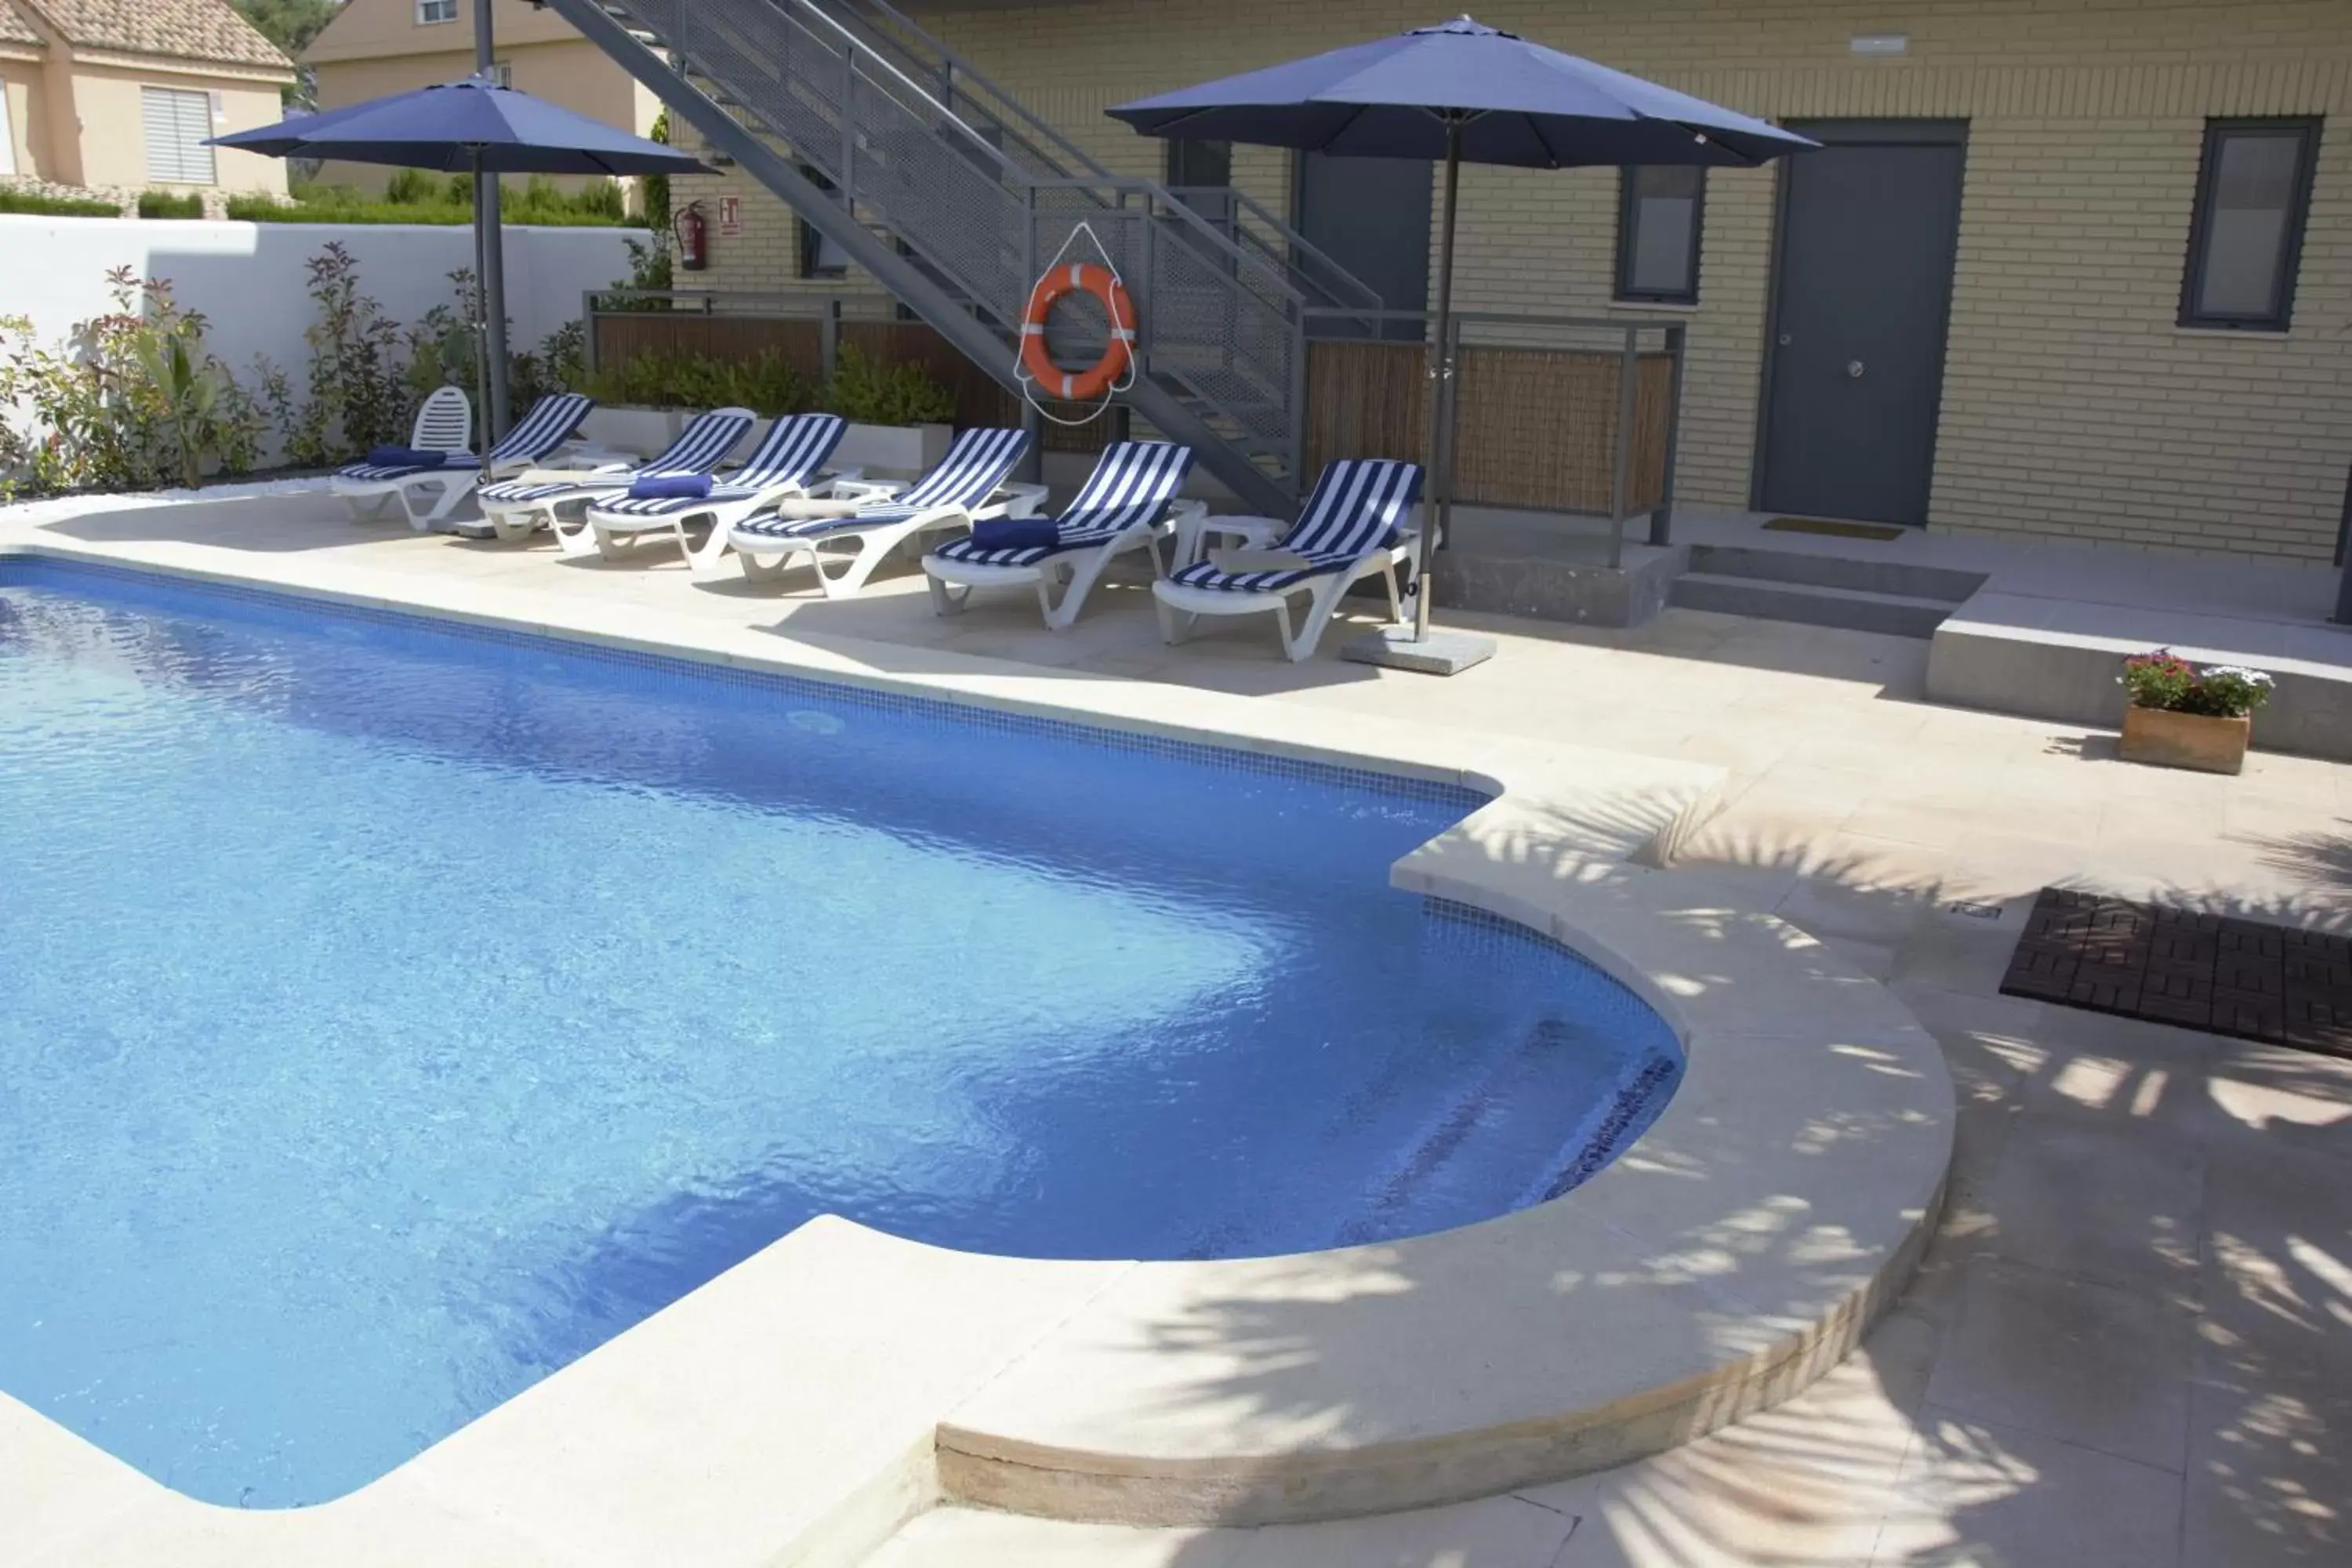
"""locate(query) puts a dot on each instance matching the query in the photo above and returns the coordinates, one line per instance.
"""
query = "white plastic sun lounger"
(516, 509)
(785, 464)
(1352, 527)
(1124, 505)
(552, 424)
(968, 485)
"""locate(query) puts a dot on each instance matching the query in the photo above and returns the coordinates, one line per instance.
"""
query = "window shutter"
(177, 123)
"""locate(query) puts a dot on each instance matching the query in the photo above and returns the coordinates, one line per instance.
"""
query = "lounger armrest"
(849, 488)
(1019, 498)
(1181, 511)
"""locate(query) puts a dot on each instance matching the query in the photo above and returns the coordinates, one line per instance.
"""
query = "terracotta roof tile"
(15, 29)
(177, 29)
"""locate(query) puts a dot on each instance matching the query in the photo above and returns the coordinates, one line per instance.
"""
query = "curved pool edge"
(1734, 1254)
(798, 1407)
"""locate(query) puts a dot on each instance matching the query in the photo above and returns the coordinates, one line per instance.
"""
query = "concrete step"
(1853, 609)
(1862, 574)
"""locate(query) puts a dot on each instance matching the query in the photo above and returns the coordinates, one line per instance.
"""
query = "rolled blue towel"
(670, 486)
(405, 458)
(1014, 533)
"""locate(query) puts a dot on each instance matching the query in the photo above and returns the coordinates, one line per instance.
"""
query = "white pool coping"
(801, 1406)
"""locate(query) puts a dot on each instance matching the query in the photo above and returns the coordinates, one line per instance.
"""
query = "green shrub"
(164, 204)
(765, 382)
(866, 391)
(863, 390)
(13, 200)
(414, 187)
(539, 205)
(132, 399)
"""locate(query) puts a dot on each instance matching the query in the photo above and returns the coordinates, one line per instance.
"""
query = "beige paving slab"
(2100, 1366)
(2100, 1202)
(1972, 1494)
(2277, 1282)
(971, 1538)
(2269, 1481)
(1807, 1482)
(1493, 1532)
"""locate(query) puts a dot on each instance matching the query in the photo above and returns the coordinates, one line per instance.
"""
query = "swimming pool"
(390, 1012)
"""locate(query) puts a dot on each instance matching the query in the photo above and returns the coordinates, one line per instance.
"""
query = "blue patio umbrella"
(1458, 91)
(473, 126)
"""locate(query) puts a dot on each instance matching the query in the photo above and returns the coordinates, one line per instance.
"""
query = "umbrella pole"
(1438, 508)
(492, 242)
(481, 309)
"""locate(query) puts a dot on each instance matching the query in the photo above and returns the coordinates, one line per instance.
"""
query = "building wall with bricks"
(2074, 405)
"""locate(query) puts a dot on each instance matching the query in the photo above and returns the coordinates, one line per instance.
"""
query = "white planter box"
(643, 431)
(892, 448)
(876, 449)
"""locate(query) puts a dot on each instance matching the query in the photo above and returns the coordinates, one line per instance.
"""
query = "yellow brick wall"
(2072, 405)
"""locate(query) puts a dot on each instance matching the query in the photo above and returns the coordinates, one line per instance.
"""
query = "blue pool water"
(391, 1014)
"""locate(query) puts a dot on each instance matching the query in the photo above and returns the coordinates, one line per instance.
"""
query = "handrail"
(856, 46)
(960, 67)
(860, 47)
(1507, 318)
(1292, 239)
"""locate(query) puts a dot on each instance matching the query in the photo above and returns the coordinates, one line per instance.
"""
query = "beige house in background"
(120, 94)
(374, 48)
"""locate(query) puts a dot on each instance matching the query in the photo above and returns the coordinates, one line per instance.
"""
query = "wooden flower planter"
(2199, 741)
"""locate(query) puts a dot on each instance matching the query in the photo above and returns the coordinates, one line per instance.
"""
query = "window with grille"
(2245, 237)
(177, 123)
(429, 11)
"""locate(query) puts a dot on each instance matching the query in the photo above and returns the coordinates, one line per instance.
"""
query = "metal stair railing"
(1221, 329)
(1041, 147)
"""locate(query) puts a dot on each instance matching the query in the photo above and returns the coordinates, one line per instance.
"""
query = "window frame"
(2305, 131)
(425, 21)
(1622, 288)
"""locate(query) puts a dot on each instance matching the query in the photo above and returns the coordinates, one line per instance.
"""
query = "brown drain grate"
(2279, 983)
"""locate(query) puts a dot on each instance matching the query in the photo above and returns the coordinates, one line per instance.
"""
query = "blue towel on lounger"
(670, 486)
(405, 458)
(1014, 533)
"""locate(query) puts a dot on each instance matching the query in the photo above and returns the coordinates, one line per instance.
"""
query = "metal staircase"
(954, 197)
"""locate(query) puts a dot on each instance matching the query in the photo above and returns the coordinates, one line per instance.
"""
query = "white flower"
(2251, 676)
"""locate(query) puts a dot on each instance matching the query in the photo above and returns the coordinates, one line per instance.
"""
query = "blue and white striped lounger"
(785, 463)
(1352, 527)
(967, 485)
(516, 509)
(552, 423)
(1124, 505)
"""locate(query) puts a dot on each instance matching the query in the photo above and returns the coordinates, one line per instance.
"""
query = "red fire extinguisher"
(693, 238)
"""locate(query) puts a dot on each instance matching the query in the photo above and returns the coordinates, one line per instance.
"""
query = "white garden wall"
(247, 278)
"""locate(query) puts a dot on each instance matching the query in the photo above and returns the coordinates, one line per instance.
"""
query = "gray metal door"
(1371, 216)
(1868, 226)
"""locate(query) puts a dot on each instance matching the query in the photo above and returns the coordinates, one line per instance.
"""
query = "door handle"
(1853, 367)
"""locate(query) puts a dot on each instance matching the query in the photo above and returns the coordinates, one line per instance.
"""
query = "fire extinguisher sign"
(731, 214)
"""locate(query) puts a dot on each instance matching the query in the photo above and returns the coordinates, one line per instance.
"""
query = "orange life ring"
(1085, 384)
